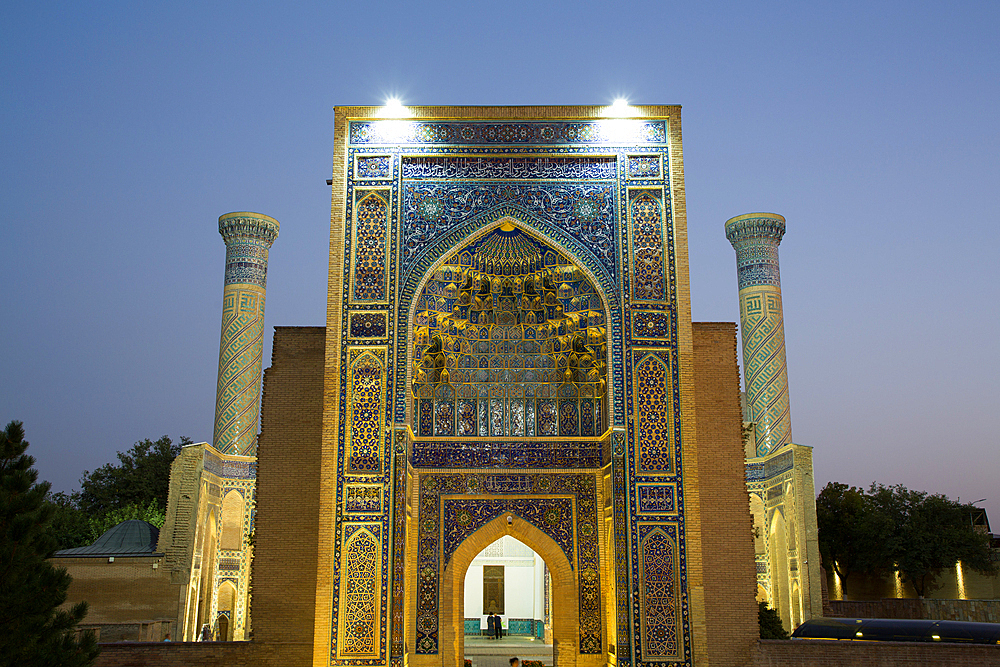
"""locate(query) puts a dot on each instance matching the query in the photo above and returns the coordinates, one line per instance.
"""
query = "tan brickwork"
(777, 653)
(110, 588)
(287, 521)
(727, 541)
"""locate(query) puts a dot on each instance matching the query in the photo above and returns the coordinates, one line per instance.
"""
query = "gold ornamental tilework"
(654, 421)
(370, 267)
(360, 590)
(365, 410)
(660, 599)
(649, 268)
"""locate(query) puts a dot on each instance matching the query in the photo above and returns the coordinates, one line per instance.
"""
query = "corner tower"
(248, 238)
(755, 237)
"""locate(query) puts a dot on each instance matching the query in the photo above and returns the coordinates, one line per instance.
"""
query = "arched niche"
(231, 537)
(509, 339)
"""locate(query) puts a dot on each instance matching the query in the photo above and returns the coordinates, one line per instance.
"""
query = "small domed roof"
(128, 538)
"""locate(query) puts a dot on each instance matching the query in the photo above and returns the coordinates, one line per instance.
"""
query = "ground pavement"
(485, 652)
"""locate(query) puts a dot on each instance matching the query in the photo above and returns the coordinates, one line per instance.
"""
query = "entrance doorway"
(563, 619)
(509, 580)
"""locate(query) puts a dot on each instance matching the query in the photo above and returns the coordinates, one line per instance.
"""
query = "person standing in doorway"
(499, 627)
(490, 631)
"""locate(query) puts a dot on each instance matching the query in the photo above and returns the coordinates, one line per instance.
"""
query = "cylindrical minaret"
(756, 236)
(248, 237)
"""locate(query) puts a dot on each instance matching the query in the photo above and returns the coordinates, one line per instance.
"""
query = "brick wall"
(127, 591)
(980, 611)
(182, 654)
(727, 540)
(287, 523)
(795, 653)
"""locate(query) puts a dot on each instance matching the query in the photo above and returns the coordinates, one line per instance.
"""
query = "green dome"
(128, 538)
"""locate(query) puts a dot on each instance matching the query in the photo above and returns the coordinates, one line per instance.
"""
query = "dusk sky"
(128, 128)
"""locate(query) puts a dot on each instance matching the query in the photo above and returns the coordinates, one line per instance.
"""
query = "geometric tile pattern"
(648, 324)
(366, 411)
(361, 583)
(368, 324)
(643, 166)
(248, 236)
(654, 426)
(658, 609)
(369, 266)
(649, 279)
(373, 167)
(755, 237)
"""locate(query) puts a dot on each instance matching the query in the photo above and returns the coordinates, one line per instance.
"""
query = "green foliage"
(70, 526)
(928, 534)
(770, 623)
(891, 528)
(103, 522)
(134, 488)
(141, 474)
(32, 630)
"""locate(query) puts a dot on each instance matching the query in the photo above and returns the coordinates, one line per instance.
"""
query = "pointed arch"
(416, 273)
(370, 268)
(233, 507)
(365, 412)
(654, 446)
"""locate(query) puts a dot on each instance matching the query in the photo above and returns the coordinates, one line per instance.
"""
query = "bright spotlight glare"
(394, 109)
(619, 108)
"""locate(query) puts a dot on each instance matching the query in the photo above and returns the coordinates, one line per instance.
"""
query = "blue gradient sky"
(128, 128)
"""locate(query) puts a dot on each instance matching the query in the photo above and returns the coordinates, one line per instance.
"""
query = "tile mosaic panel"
(619, 131)
(649, 266)
(369, 267)
(361, 576)
(643, 167)
(372, 167)
(362, 499)
(658, 499)
(659, 602)
(585, 210)
(654, 424)
(365, 410)
(368, 324)
(652, 325)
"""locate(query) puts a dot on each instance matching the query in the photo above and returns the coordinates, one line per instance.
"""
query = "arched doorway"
(565, 617)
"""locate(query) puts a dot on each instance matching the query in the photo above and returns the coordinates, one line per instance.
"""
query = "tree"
(141, 475)
(33, 631)
(929, 534)
(893, 529)
(848, 530)
(101, 523)
(770, 623)
(70, 527)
